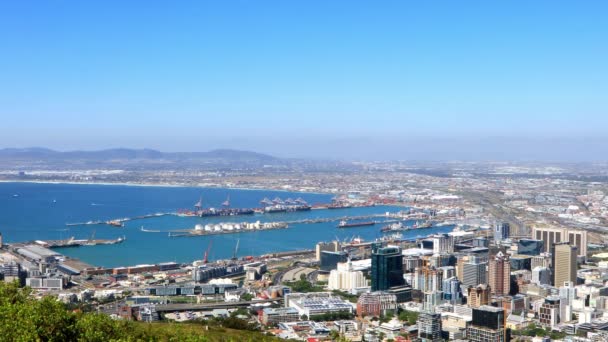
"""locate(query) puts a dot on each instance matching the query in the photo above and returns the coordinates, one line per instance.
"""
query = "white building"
(317, 303)
(345, 278)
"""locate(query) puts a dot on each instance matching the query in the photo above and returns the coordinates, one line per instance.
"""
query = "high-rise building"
(429, 327)
(542, 260)
(520, 262)
(330, 260)
(410, 263)
(478, 295)
(442, 243)
(488, 324)
(564, 263)
(451, 290)
(345, 278)
(500, 274)
(432, 300)
(387, 267)
(549, 313)
(474, 272)
(502, 231)
(567, 294)
(427, 279)
(530, 246)
(541, 276)
(333, 246)
(552, 235)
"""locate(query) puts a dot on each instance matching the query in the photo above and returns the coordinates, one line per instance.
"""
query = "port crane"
(236, 249)
(206, 256)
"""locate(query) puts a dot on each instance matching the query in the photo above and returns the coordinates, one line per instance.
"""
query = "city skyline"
(472, 82)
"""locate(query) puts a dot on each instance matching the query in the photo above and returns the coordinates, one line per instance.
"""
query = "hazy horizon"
(339, 80)
(514, 149)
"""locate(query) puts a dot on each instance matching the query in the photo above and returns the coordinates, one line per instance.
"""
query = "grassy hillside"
(23, 318)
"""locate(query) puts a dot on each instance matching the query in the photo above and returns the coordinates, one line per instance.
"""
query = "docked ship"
(394, 227)
(346, 224)
(339, 205)
(211, 212)
(419, 225)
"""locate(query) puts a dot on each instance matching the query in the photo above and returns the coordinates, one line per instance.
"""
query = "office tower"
(440, 260)
(333, 246)
(564, 263)
(448, 271)
(442, 243)
(567, 294)
(500, 274)
(578, 238)
(330, 260)
(429, 327)
(549, 312)
(387, 267)
(427, 279)
(488, 325)
(530, 246)
(502, 231)
(451, 290)
(410, 263)
(480, 242)
(542, 260)
(478, 295)
(432, 300)
(521, 262)
(552, 235)
(541, 276)
(474, 272)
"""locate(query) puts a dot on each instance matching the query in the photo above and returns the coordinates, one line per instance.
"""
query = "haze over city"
(340, 80)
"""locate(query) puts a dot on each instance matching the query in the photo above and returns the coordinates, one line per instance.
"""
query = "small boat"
(15, 195)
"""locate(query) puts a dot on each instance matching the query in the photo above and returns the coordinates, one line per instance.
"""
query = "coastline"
(162, 185)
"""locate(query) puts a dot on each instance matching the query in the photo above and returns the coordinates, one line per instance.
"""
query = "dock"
(71, 242)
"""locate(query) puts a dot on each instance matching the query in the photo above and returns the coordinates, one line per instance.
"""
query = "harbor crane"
(236, 249)
(206, 256)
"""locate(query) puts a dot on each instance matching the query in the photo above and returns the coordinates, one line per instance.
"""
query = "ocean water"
(41, 211)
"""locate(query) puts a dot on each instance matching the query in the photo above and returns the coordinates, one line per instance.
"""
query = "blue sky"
(307, 78)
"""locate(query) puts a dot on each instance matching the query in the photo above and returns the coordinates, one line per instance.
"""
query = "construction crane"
(206, 256)
(236, 249)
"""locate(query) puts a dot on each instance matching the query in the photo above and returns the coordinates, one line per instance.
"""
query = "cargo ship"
(394, 227)
(211, 212)
(399, 226)
(345, 224)
(339, 206)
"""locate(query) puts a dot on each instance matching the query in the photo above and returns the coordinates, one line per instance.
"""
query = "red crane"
(206, 256)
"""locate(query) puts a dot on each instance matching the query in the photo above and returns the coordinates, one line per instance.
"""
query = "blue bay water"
(41, 211)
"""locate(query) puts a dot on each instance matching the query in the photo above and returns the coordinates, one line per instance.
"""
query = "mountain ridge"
(129, 153)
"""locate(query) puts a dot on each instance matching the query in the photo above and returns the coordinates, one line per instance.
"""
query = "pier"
(71, 242)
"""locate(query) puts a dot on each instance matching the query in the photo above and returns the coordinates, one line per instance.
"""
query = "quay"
(71, 242)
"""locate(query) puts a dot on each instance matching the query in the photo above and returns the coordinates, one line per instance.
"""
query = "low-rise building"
(272, 316)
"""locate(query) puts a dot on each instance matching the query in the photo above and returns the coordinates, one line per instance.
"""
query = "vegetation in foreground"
(24, 318)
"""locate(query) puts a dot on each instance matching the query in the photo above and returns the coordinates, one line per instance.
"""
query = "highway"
(211, 306)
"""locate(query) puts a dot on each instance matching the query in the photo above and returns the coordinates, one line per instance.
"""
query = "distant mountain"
(125, 153)
(131, 158)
